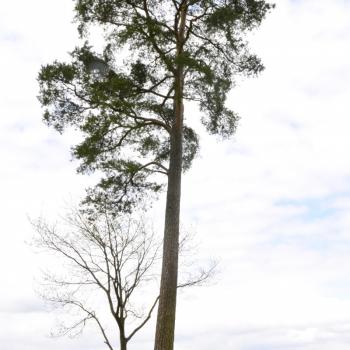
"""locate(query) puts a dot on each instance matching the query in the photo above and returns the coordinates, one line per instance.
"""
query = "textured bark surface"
(167, 300)
(165, 329)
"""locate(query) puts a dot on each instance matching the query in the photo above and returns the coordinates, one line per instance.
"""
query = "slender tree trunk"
(167, 301)
(165, 328)
(122, 339)
(123, 344)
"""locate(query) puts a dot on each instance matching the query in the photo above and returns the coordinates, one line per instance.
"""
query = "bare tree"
(109, 258)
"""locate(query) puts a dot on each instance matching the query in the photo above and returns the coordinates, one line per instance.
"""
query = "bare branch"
(116, 255)
(145, 320)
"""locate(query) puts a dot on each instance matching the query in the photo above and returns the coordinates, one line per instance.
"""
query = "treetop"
(126, 112)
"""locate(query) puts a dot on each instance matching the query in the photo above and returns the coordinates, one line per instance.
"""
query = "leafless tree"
(105, 257)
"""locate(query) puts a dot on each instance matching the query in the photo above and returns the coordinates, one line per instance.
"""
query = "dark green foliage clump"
(126, 113)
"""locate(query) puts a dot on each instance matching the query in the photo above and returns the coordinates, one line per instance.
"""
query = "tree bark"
(122, 340)
(165, 328)
(123, 345)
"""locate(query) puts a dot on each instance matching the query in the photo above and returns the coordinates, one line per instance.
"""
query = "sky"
(271, 204)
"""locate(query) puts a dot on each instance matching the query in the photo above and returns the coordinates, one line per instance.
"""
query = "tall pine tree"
(132, 114)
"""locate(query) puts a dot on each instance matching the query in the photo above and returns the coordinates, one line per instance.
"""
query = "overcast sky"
(272, 204)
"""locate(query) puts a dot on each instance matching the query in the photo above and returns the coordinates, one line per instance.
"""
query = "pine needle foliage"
(126, 112)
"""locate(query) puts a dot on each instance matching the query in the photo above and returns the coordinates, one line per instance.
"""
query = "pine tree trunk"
(167, 299)
(165, 329)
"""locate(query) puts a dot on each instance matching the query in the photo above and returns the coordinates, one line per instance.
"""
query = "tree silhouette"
(105, 263)
(132, 114)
